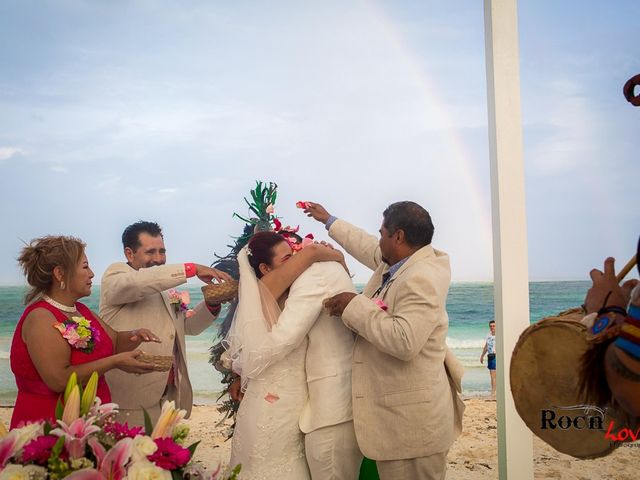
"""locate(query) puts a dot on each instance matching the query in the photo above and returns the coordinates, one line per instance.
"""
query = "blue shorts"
(491, 363)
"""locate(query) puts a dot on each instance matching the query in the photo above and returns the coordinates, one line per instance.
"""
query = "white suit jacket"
(406, 383)
(330, 347)
(131, 299)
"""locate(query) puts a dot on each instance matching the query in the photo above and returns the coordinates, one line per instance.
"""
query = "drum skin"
(544, 377)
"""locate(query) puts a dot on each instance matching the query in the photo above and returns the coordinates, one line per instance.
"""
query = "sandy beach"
(473, 456)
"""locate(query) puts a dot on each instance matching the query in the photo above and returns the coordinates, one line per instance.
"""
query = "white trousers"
(433, 467)
(333, 453)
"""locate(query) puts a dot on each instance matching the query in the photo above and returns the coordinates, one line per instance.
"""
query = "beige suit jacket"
(330, 347)
(131, 299)
(406, 401)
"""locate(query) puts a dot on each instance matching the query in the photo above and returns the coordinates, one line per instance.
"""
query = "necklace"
(59, 306)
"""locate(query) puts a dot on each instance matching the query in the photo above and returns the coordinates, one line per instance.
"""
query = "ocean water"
(470, 307)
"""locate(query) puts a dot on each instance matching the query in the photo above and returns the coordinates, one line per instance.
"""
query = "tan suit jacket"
(330, 347)
(131, 299)
(406, 401)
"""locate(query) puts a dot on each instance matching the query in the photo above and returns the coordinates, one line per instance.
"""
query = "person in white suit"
(296, 365)
(326, 420)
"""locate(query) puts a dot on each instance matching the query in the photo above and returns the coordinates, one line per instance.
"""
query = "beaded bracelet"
(629, 338)
(607, 324)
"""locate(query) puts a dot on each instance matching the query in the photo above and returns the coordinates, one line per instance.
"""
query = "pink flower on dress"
(79, 333)
(72, 336)
(38, 450)
(380, 303)
(169, 455)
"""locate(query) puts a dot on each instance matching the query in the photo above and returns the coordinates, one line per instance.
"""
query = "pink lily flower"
(76, 435)
(17, 438)
(101, 411)
(111, 465)
(9, 446)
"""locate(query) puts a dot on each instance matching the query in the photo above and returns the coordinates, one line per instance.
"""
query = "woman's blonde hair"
(42, 255)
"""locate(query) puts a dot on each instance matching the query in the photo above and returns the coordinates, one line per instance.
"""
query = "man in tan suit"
(405, 383)
(133, 295)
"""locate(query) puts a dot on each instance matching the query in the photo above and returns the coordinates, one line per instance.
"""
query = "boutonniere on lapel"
(380, 303)
(180, 301)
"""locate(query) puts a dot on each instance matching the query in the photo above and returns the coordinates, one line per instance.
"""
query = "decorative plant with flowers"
(86, 443)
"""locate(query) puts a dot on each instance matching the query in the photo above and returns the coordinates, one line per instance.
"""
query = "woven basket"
(161, 363)
(217, 293)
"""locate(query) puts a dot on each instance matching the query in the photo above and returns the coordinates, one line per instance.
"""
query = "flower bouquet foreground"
(86, 443)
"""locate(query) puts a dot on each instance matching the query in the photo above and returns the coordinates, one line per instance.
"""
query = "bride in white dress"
(267, 440)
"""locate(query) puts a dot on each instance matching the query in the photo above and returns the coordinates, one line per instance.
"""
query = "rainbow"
(459, 156)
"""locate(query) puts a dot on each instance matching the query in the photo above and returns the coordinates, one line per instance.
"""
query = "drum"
(544, 383)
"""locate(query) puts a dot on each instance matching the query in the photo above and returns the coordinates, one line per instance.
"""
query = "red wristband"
(214, 309)
(190, 270)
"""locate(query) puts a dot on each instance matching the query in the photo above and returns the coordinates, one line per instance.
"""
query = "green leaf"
(46, 428)
(259, 189)
(192, 447)
(242, 218)
(253, 208)
(57, 448)
(175, 475)
(148, 426)
(59, 409)
(235, 472)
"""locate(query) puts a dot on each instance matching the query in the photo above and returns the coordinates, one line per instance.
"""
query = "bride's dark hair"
(261, 249)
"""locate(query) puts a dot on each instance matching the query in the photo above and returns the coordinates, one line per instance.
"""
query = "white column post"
(511, 283)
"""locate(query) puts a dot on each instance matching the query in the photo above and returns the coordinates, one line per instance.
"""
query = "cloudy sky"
(116, 111)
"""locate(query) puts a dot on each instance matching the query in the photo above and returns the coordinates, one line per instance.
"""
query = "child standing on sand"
(490, 350)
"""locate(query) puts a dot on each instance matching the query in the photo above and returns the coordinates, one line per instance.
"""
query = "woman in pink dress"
(57, 335)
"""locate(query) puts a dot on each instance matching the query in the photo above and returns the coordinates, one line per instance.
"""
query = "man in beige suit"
(134, 295)
(331, 448)
(405, 384)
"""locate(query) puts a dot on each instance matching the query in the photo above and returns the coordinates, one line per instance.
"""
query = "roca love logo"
(551, 420)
